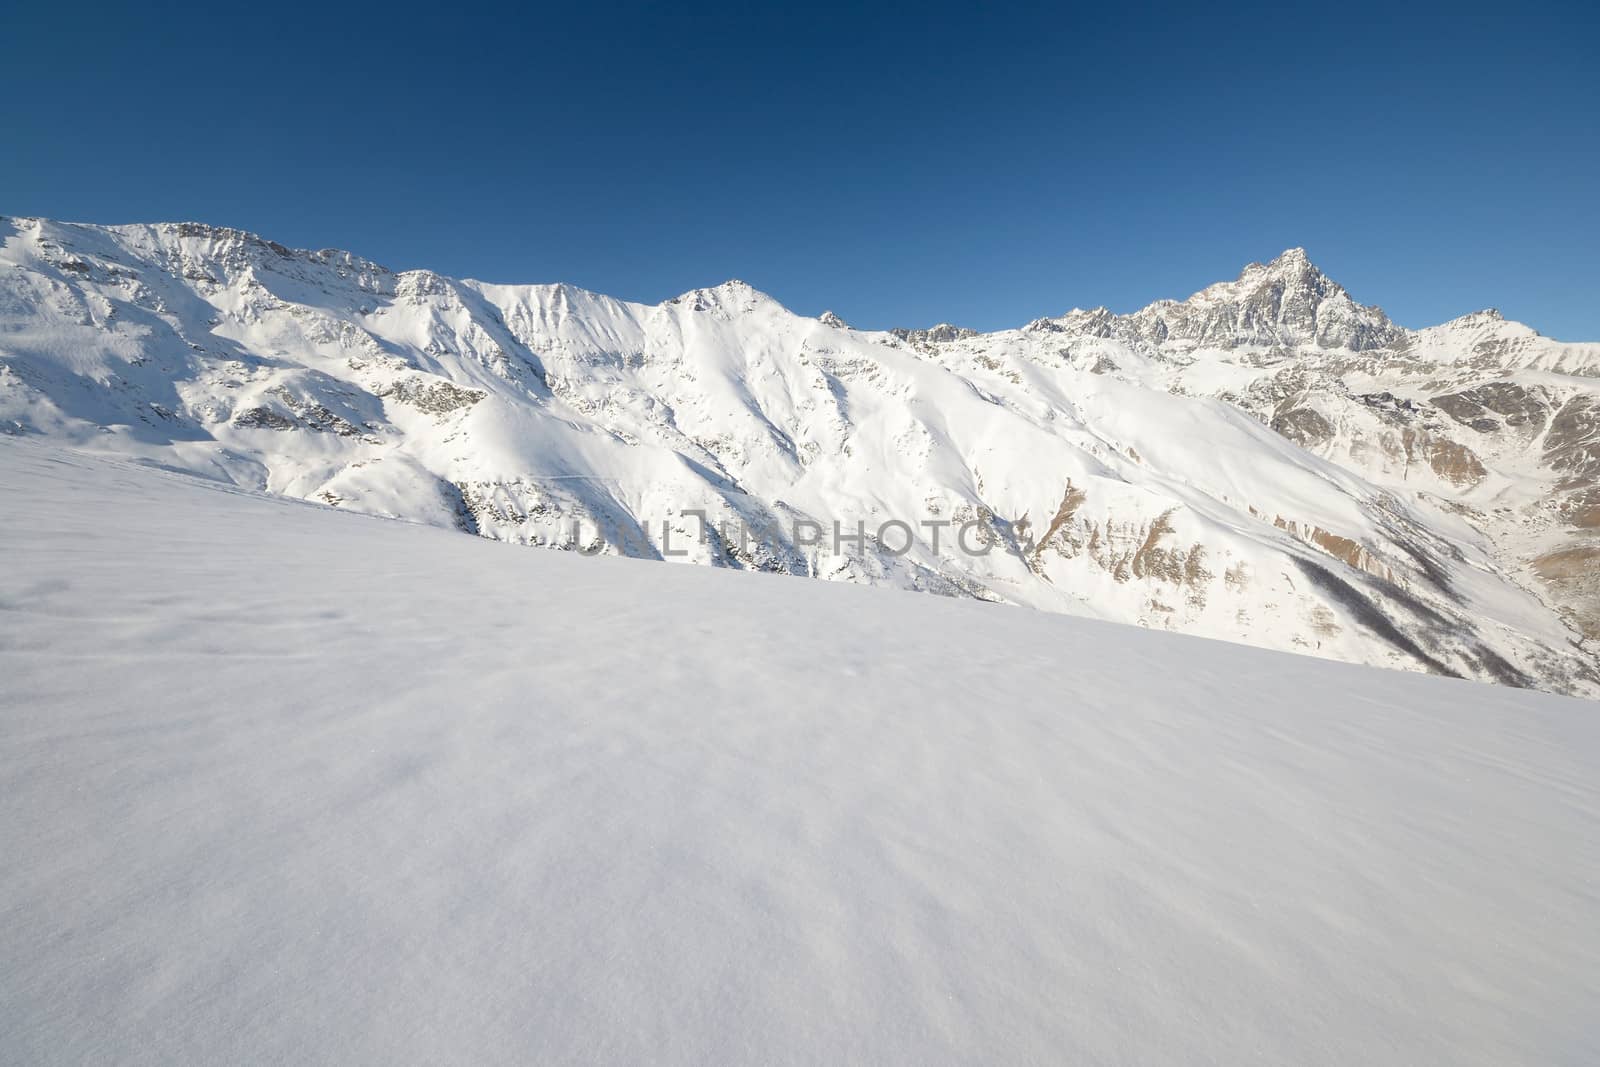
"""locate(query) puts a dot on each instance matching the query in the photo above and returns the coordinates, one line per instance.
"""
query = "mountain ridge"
(1296, 256)
(1267, 462)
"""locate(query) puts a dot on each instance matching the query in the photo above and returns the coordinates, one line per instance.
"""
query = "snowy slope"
(1226, 466)
(289, 785)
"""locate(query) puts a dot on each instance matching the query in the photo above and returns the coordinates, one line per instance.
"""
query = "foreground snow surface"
(285, 784)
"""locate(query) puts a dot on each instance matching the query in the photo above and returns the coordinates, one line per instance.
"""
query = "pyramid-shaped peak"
(731, 295)
(1290, 263)
(742, 290)
(1290, 270)
(1286, 302)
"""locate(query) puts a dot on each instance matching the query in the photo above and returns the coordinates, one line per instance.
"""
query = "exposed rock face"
(1303, 426)
(1452, 461)
(943, 333)
(1574, 573)
(1491, 407)
(436, 397)
(1148, 552)
(1344, 549)
(1573, 443)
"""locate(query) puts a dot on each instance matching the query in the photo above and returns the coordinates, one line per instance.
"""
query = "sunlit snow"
(285, 784)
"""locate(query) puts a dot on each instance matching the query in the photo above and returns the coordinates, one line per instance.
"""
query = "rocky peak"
(1284, 303)
(943, 333)
(1486, 317)
(731, 297)
(1290, 263)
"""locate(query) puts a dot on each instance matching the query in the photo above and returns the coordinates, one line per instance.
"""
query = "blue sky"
(902, 166)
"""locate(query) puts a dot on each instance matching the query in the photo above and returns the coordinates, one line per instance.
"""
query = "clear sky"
(903, 165)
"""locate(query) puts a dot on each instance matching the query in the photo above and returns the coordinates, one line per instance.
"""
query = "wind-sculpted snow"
(1267, 462)
(287, 785)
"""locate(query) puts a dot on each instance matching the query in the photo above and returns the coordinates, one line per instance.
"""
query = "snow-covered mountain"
(1268, 461)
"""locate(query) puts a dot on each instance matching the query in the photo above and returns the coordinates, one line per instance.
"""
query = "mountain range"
(1268, 461)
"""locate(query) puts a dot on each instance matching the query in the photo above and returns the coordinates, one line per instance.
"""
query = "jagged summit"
(1292, 259)
(1291, 272)
(1284, 303)
(943, 333)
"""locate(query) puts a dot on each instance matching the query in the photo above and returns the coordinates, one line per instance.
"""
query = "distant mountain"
(1267, 461)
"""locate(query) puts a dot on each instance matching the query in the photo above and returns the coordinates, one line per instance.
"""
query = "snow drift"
(284, 784)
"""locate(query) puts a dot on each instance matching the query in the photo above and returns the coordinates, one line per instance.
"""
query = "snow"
(515, 411)
(289, 784)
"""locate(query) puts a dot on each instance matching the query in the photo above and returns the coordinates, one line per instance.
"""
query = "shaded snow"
(285, 784)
